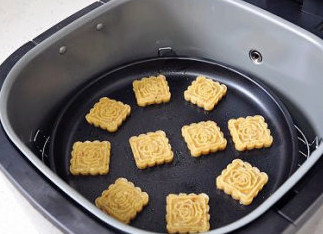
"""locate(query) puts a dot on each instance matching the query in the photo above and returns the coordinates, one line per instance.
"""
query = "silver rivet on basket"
(255, 56)
(62, 50)
(99, 26)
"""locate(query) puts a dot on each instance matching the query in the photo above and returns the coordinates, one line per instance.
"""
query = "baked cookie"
(90, 158)
(187, 213)
(151, 90)
(151, 149)
(203, 138)
(205, 93)
(122, 200)
(242, 181)
(250, 133)
(108, 114)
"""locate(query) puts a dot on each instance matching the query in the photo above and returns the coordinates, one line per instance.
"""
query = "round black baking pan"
(185, 174)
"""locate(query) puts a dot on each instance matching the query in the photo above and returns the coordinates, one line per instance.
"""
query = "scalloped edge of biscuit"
(234, 193)
(144, 164)
(200, 103)
(143, 195)
(162, 99)
(265, 143)
(172, 229)
(110, 127)
(196, 152)
(86, 172)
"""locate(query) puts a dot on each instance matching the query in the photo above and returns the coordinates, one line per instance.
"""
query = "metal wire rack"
(307, 147)
(40, 141)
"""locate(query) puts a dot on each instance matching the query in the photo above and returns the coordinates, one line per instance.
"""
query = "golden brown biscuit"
(151, 149)
(250, 133)
(122, 200)
(108, 114)
(242, 181)
(205, 93)
(90, 158)
(187, 213)
(151, 90)
(203, 138)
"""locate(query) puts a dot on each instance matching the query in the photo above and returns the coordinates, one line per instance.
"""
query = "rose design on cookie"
(90, 158)
(203, 138)
(205, 90)
(151, 149)
(151, 90)
(107, 111)
(122, 200)
(187, 213)
(242, 181)
(90, 155)
(205, 93)
(108, 114)
(250, 132)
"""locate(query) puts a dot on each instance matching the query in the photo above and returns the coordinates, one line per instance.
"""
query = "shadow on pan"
(185, 174)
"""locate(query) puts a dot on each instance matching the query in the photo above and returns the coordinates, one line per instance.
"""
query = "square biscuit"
(242, 181)
(151, 90)
(250, 133)
(151, 149)
(108, 114)
(122, 200)
(205, 93)
(90, 158)
(203, 138)
(187, 213)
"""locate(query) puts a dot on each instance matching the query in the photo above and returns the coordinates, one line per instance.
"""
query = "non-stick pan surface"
(185, 174)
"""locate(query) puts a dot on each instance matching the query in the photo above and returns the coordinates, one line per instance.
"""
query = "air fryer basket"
(124, 31)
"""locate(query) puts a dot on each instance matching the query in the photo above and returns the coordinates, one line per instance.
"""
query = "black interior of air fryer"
(185, 174)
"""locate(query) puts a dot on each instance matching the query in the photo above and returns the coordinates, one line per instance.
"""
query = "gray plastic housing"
(220, 30)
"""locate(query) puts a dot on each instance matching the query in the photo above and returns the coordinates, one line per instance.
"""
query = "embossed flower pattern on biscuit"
(151, 149)
(205, 93)
(108, 114)
(90, 158)
(151, 90)
(153, 87)
(203, 138)
(250, 132)
(122, 200)
(242, 181)
(187, 213)
(205, 90)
